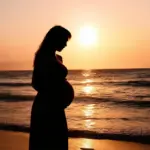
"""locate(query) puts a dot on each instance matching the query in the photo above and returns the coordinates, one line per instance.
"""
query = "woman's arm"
(59, 58)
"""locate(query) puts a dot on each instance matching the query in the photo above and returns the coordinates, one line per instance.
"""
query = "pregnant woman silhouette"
(48, 126)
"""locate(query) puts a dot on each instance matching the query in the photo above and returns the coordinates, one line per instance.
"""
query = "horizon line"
(136, 68)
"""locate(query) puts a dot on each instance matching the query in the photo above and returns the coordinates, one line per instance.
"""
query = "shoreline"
(144, 139)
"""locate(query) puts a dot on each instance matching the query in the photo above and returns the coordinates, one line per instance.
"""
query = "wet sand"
(10, 140)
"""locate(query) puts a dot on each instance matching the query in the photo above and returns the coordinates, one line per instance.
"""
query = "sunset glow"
(105, 34)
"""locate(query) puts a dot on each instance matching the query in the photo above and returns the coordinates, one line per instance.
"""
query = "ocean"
(115, 101)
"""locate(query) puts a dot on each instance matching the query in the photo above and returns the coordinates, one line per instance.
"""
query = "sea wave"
(115, 101)
(10, 98)
(136, 83)
(15, 84)
(139, 83)
(129, 103)
(129, 119)
(86, 134)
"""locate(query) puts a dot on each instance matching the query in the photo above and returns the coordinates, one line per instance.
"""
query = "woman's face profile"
(61, 44)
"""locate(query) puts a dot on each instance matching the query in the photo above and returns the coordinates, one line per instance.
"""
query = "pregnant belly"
(59, 95)
(67, 93)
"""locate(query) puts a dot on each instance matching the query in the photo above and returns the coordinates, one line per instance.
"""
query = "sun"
(88, 36)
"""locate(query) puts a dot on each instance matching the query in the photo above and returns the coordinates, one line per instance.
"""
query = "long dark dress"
(48, 126)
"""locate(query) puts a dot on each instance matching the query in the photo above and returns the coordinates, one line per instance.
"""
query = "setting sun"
(88, 36)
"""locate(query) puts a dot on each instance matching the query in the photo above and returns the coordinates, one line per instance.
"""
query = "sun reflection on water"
(88, 111)
(88, 89)
(89, 123)
(85, 74)
(87, 81)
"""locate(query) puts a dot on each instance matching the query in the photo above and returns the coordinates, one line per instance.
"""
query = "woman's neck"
(51, 52)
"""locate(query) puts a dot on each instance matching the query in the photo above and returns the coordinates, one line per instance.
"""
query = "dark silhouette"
(48, 127)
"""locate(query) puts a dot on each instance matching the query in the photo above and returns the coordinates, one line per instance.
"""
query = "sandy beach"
(10, 140)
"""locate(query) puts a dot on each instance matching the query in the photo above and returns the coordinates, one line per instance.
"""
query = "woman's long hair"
(54, 35)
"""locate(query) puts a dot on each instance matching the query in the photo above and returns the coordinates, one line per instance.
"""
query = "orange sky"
(123, 32)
